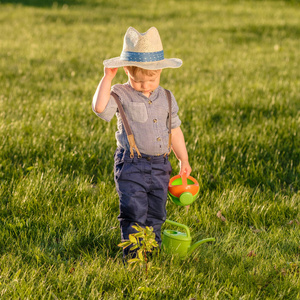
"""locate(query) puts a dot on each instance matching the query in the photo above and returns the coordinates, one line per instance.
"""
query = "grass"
(238, 93)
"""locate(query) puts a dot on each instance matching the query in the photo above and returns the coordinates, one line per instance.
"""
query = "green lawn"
(239, 97)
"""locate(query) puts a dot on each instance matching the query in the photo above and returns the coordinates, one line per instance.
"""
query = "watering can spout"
(197, 244)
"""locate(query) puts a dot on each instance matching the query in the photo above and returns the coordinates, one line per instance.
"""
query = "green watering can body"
(176, 242)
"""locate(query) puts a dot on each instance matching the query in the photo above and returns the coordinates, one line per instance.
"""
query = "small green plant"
(144, 241)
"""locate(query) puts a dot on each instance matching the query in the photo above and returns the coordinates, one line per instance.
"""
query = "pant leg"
(130, 185)
(157, 197)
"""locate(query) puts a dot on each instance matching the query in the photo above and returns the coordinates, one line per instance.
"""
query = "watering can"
(183, 190)
(176, 242)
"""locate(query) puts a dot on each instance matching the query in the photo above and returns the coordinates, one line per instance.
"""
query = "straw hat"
(143, 50)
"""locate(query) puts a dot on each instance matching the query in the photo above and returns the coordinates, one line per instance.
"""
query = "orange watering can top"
(181, 183)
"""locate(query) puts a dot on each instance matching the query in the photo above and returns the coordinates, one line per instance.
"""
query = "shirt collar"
(153, 95)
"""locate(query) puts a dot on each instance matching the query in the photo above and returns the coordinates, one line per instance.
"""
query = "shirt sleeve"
(109, 110)
(175, 121)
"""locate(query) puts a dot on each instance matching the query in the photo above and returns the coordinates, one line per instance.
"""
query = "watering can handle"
(184, 179)
(180, 225)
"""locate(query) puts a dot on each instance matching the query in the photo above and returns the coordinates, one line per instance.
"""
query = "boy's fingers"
(185, 171)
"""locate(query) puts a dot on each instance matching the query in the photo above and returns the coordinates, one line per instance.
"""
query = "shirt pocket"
(137, 112)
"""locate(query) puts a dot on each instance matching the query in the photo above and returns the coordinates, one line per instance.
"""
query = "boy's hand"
(110, 73)
(185, 168)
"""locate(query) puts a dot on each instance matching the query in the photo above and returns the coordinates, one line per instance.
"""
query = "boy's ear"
(126, 71)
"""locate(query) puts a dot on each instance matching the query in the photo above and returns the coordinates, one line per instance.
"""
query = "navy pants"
(142, 185)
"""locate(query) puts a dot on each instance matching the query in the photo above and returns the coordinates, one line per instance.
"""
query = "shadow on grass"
(59, 3)
(45, 3)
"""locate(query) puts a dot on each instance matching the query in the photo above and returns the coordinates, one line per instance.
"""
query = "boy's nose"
(144, 85)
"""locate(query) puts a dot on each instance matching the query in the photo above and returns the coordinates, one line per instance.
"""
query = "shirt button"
(158, 139)
(154, 120)
(150, 102)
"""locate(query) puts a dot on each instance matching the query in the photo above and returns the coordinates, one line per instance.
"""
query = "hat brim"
(116, 62)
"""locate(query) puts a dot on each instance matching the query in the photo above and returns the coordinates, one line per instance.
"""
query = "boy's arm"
(102, 94)
(179, 149)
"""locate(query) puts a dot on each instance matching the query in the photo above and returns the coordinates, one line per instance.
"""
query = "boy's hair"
(134, 70)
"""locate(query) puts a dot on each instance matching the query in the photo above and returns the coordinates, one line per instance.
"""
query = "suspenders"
(128, 129)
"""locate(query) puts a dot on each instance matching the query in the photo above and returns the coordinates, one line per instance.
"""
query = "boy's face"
(144, 83)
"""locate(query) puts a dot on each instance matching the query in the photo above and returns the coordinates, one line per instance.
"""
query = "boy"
(142, 170)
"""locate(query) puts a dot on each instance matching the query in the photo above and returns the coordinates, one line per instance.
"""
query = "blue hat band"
(142, 56)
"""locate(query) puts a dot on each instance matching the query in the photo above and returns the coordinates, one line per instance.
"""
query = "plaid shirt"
(147, 117)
